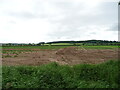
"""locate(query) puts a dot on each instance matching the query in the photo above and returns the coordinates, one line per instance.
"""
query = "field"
(60, 66)
(57, 47)
(37, 55)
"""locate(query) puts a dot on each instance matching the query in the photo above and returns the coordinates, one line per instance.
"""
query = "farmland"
(62, 66)
(38, 55)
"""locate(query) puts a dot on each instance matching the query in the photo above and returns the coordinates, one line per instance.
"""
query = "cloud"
(50, 20)
(113, 27)
(23, 15)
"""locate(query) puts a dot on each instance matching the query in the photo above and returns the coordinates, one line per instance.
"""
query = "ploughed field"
(62, 55)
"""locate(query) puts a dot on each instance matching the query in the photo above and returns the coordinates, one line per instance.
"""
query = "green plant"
(53, 75)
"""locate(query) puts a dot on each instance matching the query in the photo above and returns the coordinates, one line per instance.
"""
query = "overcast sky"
(33, 21)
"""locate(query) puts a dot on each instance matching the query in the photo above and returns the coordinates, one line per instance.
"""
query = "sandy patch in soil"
(69, 55)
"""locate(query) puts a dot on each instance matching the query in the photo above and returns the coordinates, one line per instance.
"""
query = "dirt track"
(70, 55)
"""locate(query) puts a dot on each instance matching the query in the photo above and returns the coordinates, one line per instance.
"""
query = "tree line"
(86, 42)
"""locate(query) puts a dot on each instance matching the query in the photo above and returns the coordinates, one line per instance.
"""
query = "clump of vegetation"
(53, 75)
(15, 56)
(7, 55)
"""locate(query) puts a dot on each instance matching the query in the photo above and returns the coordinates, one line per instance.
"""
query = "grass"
(57, 47)
(60, 44)
(11, 53)
(53, 75)
(100, 47)
(34, 47)
(0, 77)
(65, 44)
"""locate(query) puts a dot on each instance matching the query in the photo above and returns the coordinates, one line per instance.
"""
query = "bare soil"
(69, 55)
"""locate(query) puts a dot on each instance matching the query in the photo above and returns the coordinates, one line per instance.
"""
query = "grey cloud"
(71, 19)
(74, 19)
(12, 22)
(28, 15)
(93, 33)
(68, 32)
(114, 27)
(22, 14)
(72, 14)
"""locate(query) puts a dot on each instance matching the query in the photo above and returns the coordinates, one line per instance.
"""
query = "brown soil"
(70, 55)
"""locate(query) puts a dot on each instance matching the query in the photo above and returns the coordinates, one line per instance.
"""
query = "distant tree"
(30, 44)
(41, 43)
(33, 44)
(50, 44)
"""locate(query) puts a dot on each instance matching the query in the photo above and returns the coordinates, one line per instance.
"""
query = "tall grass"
(53, 75)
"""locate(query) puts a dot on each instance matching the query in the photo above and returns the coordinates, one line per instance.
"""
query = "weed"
(53, 75)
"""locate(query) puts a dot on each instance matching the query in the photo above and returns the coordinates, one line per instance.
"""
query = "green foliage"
(53, 47)
(32, 47)
(100, 47)
(53, 75)
(85, 42)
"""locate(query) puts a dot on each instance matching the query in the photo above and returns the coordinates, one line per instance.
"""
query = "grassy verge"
(53, 75)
